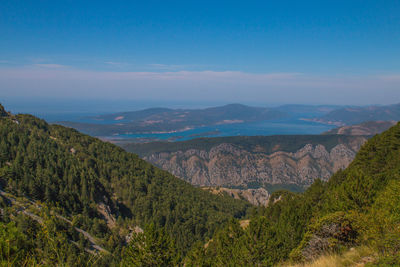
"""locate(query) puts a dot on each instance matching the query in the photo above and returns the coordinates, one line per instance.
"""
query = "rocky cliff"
(232, 165)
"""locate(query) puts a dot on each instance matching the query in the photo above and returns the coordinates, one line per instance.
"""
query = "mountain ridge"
(356, 115)
(252, 162)
(159, 120)
(365, 128)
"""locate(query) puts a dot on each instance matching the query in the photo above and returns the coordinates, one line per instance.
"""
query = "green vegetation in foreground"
(56, 179)
(97, 187)
(358, 207)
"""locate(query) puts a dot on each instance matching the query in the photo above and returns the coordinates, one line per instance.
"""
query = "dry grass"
(353, 257)
(244, 223)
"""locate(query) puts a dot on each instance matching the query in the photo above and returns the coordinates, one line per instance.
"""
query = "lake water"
(291, 125)
(78, 110)
(276, 127)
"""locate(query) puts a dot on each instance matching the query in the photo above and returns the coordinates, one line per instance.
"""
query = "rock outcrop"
(258, 197)
(230, 165)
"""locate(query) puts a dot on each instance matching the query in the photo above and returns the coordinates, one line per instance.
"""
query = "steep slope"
(357, 208)
(365, 128)
(253, 161)
(103, 189)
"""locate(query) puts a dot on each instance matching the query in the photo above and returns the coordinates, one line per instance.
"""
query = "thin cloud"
(50, 66)
(390, 78)
(117, 64)
(165, 66)
(225, 86)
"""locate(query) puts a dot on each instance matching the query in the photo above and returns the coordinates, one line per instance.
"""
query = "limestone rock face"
(229, 165)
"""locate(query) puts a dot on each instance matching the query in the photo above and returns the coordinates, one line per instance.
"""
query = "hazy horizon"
(67, 109)
(62, 105)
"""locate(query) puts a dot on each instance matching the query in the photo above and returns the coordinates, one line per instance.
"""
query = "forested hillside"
(357, 208)
(57, 180)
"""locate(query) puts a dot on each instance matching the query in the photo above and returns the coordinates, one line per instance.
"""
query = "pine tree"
(153, 247)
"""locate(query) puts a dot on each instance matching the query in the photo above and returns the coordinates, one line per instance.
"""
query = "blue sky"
(334, 52)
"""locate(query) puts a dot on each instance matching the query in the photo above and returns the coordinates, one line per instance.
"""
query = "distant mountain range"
(356, 115)
(365, 128)
(165, 120)
(307, 110)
